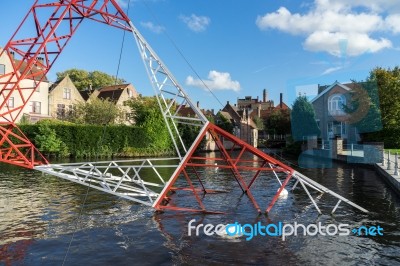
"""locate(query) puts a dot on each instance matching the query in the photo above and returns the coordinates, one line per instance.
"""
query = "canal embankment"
(388, 169)
(385, 164)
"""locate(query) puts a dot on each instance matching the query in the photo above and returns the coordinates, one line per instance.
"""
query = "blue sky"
(238, 48)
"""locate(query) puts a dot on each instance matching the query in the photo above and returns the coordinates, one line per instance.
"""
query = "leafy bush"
(48, 142)
(81, 141)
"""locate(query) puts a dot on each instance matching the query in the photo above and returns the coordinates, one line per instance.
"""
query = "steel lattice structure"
(144, 180)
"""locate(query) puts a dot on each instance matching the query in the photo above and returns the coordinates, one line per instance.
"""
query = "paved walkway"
(389, 174)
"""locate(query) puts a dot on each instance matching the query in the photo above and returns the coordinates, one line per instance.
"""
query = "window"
(35, 107)
(336, 129)
(2, 69)
(70, 109)
(67, 93)
(335, 104)
(60, 111)
(11, 102)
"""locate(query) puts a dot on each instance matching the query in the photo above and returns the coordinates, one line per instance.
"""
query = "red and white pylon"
(139, 180)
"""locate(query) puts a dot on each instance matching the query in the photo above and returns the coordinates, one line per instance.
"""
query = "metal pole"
(388, 162)
(383, 158)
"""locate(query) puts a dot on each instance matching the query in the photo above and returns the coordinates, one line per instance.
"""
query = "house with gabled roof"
(37, 108)
(63, 96)
(244, 127)
(329, 106)
(117, 94)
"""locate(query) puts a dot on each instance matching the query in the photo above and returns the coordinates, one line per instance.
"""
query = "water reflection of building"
(329, 110)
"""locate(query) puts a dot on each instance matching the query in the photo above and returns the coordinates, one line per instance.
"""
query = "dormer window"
(336, 103)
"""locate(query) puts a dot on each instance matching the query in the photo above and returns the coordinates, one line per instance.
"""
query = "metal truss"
(138, 180)
(307, 182)
(145, 181)
(243, 170)
(170, 95)
(32, 57)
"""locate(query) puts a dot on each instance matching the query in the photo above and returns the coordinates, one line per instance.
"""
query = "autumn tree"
(83, 79)
(388, 87)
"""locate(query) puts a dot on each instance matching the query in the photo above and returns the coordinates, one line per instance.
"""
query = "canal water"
(39, 214)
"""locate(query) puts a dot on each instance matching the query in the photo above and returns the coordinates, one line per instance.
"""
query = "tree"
(278, 122)
(259, 122)
(388, 84)
(303, 119)
(147, 115)
(363, 108)
(83, 79)
(48, 141)
(96, 112)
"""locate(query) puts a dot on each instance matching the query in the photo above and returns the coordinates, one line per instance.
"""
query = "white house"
(37, 107)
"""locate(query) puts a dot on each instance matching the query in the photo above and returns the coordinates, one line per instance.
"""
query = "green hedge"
(97, 141)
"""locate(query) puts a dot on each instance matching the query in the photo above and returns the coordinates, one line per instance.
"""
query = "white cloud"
(150, 26)
(331, 70)
(329, 22)
(357, 43)
(393, 23)
(370, 5)
(196, 23)
(216, 81)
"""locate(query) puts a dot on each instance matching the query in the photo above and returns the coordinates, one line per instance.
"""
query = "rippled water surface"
(39, 214)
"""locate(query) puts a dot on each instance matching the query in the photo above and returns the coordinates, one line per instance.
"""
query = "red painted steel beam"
(226, 160)
(33, 56)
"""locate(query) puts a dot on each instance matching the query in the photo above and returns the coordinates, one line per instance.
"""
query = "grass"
(393, 151)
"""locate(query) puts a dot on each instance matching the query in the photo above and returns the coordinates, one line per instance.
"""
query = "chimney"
(12, 54)
(257, 99)
(198, 104)
(280, 100)
(40, 59)
(265, 95)
(227, 102)
(259, 111)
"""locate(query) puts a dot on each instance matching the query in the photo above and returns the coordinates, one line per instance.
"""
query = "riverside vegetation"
(66, 139)
(81, 138)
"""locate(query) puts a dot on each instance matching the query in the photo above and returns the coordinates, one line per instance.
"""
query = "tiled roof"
(85, 94)
(114, 87)
(112, 92)
(284, 106)
(35, 72)
(186, 111)
(112, 95)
